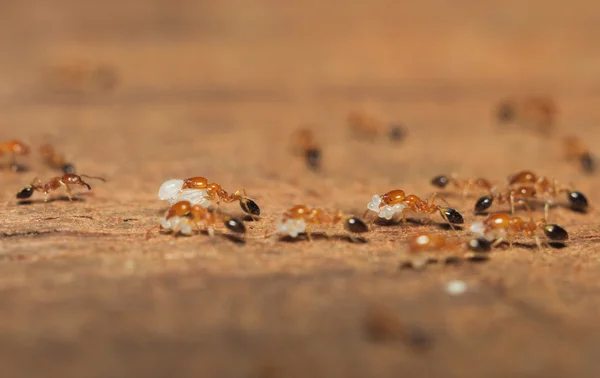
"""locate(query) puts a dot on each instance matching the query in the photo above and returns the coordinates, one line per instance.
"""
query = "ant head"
(74, 179)
(249, 206)
(396, 132)
(18, 147)
(68, 168)
(483, 204)
(555, 232)
(25, 193)
(505, 112)
(313, 158)
(451, 215)
(356, 225)
(578, 201)
(479, 245)
(235, 225)
(440, 181)
(588, 164)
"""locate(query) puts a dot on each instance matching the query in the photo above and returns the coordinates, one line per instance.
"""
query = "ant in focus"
(577, 150)
(198, 190)
(396, 201)
(425, 248)
(304, 143)
(57, 182)
(369, 127)
(442, 181)
(300, 218)
(12, 149)
(534, 112)
(182, 217)
(55, 160)
(504, 227)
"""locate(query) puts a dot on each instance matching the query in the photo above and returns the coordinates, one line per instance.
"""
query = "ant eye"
(396, 133)
(578, 201)
(587, 163)
(25, 193)
(68, 168)
(555, 232)
(479, 245)
(483, 204)
(440, 181)
(249, 206)
(452, 216)
(356, 225)
(505, 112)
(313, 158)
(235, 225)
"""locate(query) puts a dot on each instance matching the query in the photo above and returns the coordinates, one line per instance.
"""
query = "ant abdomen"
(249, 206)
(578, 201)
(313, 157)
(356, 225)
(479, 245)
(555, 232)
(452, 216)
(483, 204)
(25, 193)
(235, 225)
(440, 181)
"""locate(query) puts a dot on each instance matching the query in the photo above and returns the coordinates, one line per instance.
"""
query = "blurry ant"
(504, 227)
(537, 113)
(198, 190)
(304, 143)
(55, 183)
(55, 160)
(366, 126)
(182, 217)
(425, 247)
(576, 149)
(442, 181)
(511, 195)
(396, 201)
(12, 149)
(300, 218)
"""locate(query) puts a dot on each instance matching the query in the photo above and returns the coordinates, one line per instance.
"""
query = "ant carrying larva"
(182, 217)
(198, 191)
(304, 143)
(12, 149)
(397, 202)
(301, 218)
(54, 159)
(64, 181)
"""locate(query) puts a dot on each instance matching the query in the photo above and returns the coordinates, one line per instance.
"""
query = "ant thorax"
(171, 190)
(384, 210)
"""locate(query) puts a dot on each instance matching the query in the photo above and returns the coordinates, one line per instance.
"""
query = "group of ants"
(194, 203)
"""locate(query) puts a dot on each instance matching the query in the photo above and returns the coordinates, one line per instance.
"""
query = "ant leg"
(512, 204)
(497, 242)
(67, 190)
(211, 231)
(546, 210)
(148, 231)
(307, 232)
(539, 244)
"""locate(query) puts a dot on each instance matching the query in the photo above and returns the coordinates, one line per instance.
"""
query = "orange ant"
(300, 218)
(510, 195)
(55, 183)
(396, 201)
(12, 149)
(366, 126)
(442, 181)
(198, 190)
(55, 160)
(576, 149)
(182, 216)
(538, 113)
(304, 143)
(425, 247)
(503, 226)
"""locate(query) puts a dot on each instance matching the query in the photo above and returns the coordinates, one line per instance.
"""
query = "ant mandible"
(53, 184)
(198, 190)
(396, 201)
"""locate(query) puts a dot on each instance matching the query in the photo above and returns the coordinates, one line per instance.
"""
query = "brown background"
(215, 89)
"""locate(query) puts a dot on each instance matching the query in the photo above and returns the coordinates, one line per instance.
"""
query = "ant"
(442, 181)
(12, 149)
(198, 190)
(510, 195)
(182, 216)
(55, 160)
(425, 247)
(503, 226)
(304, 143)
(396, 201)
(576, 149)
(55, 183)
(365, 126)
(300, 218)
(538, 113)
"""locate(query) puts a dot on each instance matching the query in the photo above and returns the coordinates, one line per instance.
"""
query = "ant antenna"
(94, 177)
